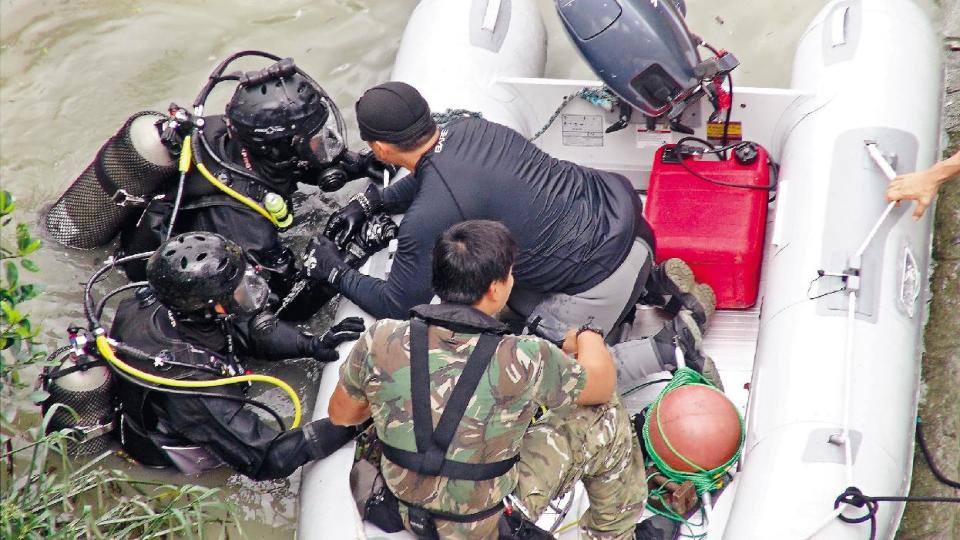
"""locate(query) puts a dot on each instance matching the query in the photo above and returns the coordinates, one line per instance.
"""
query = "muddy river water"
(71, 71)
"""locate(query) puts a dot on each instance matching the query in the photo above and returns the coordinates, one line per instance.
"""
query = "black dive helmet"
(281, 116)
(192, 272)
(643, 51)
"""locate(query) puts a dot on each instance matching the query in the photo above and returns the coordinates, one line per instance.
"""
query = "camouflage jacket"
(526, 372)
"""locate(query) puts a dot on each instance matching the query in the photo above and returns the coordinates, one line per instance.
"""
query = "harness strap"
(457, 518)
(432, 444)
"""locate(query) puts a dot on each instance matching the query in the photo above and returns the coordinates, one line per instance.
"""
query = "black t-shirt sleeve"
(398, 196)
(409, 282)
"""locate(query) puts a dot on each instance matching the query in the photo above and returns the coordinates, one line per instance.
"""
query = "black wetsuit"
(205, 208)
(229, 430)
(574, 224)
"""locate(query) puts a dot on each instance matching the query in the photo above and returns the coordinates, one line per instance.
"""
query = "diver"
(279, 129)
(586, 252)
(201, 313)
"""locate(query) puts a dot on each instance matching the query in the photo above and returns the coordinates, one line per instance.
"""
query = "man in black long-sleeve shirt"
(194, 319)
(585, 249)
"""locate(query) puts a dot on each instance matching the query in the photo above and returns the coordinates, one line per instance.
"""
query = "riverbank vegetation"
(44, 493)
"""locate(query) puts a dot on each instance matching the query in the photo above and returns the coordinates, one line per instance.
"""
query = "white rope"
(844, 438)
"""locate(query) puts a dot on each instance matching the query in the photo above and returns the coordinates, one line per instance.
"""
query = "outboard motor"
(129, 167)
(85, 385)
(642, 50)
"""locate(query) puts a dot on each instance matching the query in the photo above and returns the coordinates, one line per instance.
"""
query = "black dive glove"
(374, 235)
(322, 261)
(325, 346)
(324, 437)
(364, 165)
(344, 224)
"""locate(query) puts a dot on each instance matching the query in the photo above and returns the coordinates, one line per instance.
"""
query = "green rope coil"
(703, 480)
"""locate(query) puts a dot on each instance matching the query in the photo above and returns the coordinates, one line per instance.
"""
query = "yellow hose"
(186, 154)
(104, 347)
(245, 200)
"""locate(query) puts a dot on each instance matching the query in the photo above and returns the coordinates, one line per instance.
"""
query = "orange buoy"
(700, 422)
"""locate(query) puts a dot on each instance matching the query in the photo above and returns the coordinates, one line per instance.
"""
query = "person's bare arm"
(344, 410)
(594, 357)
(922, 186)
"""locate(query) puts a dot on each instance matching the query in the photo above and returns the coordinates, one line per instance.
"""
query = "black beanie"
(392, 112)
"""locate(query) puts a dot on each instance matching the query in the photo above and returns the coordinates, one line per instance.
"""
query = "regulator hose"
(253, 205)
(92, 313)
(105, 350)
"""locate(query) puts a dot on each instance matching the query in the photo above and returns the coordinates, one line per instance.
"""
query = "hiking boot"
(657, 527)
(689, 338)
(674, 278)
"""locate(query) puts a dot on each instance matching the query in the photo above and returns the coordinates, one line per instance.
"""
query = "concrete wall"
(940, 407)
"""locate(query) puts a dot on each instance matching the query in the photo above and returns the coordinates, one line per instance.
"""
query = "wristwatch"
(588, 328)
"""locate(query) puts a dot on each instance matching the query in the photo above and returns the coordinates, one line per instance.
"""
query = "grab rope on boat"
(449, 115)
(704, 481)
(601, 97)
(852, 496)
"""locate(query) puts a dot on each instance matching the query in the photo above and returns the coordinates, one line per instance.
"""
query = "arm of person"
(345, 410)
(408, 284)
(244, 441)
(348, 404)
(594, 357)
(922, 186)
(398, 196)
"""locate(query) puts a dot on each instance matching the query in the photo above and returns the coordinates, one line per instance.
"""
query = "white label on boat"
(582, 130)
(653, 139)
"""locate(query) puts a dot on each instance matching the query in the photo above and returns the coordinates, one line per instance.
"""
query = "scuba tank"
(85, 385)
(129, 167)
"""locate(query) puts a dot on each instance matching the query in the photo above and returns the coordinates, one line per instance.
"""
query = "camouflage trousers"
(595, 445)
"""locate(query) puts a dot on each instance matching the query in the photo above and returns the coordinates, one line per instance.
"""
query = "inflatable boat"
(825, 362)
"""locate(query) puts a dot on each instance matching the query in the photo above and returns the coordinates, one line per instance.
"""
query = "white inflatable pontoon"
(828, 385)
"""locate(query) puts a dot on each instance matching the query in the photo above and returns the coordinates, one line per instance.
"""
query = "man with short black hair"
(586, 251)
(453, 365)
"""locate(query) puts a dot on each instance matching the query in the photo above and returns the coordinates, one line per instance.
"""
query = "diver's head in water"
(201, 274)
(395, 121)
(285, 124)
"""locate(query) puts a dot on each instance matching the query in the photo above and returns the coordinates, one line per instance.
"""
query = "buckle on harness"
(123, 198)
(421, 524)
(432, 462)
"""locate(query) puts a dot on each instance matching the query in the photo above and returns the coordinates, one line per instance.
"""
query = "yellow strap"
(104, 347)
(236, 195)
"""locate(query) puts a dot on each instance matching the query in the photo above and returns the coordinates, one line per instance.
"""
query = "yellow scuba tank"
(85, 386)
(129, 167)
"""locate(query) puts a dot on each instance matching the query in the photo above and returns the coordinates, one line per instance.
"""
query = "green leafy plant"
(44, 496)
(18, 334)
(43, 493)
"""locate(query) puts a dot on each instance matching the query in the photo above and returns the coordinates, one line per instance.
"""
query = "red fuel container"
(717, 230)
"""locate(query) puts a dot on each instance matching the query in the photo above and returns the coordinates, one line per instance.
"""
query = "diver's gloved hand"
(324, 437)
(374, 235)
(348, 329)
(364, 164)
(322, 261)
(345, 223)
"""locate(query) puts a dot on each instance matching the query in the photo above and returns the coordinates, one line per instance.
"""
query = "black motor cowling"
(641, 49)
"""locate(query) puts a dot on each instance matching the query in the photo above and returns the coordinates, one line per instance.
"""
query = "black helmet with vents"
(194, 271)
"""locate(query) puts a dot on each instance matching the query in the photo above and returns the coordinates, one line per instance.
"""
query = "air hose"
(253, 205)
(703, 480)
(105, 350)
